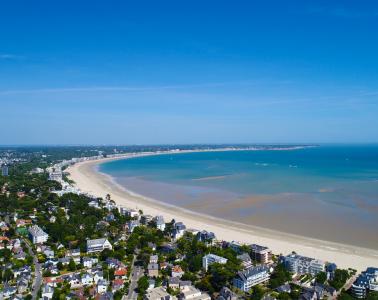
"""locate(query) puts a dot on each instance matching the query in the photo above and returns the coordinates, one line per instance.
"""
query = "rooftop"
(252, 271)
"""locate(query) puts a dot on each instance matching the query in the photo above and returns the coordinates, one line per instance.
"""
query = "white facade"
(250, 277)
(131, 225)
(87, 262)
(98, 245)
(212, 258)
(47, 292)
(86, 279)
(37, 235)
(298, 264)
(158, 293)
(190, 292)
(102, 286)
(57, 176)
(160, 224)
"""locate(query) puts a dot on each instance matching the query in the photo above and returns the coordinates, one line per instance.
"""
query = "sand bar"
(89, 180)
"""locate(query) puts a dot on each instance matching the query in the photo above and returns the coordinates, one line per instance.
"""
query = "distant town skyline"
(172, 72)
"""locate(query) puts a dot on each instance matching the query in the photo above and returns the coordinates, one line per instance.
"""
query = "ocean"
(328, 192)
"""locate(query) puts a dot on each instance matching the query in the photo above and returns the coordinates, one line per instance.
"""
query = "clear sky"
(148, 72)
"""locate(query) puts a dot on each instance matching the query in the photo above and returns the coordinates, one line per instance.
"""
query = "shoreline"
(89, 180)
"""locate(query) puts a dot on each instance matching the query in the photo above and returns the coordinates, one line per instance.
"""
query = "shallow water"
(328, 192)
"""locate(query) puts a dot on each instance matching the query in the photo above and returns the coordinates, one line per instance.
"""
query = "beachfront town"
(57, 242)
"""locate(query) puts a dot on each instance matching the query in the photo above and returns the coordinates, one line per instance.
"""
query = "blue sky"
(149, 72)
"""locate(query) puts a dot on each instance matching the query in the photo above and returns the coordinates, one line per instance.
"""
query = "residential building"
(160, 224)
(98, 245)
(250, 277)
(5, 242)
(99, 275)
(131, 225)
(117, 284)
(73, 253)
(154, 259)
(236, 246)
(8, 291)
(184, 284)
(120, 273)
(179, 230)
(261, 254)
(174, 283)
(23, 222)
(4, 170)
(177, 271)
(94, 203)
(153, 270)
(298, 264)
(47, 292)
(158, 293)
(245, 259)
(48, 252)
(206, 237)
(113, 263)
(212, 258)
(86, 279)
(226, 294)
(87, 262)
(132, 213)
(37, 235)
(22, 285)
(190, 292)
(146, 219)
(102, 286)
(366, 281)
(56, 175)
(330, 269)
(285, 288)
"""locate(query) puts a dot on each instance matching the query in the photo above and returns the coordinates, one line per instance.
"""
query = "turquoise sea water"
(327, 192)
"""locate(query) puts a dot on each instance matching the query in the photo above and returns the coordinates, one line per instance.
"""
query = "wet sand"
(89, 180)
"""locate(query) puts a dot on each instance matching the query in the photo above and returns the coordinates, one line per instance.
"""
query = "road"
(136, 273)
(37, 271)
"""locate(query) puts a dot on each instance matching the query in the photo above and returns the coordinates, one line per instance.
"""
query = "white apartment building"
(298, 264)
(209, 259)
(37, 235)
(160, 224)
(98, 245)
(250, 277)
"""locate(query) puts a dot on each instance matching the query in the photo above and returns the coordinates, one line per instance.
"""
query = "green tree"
(205, 284)
(71, 265)
(372, 296)
(118, 295)
(283, 296)
(256, 293)
(321, 277)
(220, 276)
(279, 276)
(340, 278)
(143, 284)
(344, 296)
(7, 275)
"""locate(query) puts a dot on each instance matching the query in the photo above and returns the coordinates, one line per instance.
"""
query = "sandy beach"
(89, 180)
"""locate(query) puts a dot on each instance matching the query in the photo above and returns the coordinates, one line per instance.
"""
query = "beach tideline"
(89, 180)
